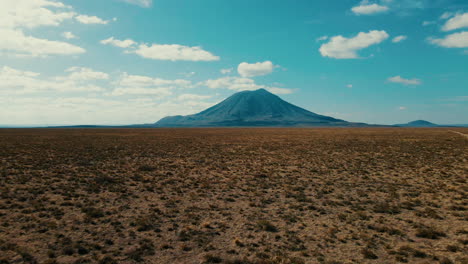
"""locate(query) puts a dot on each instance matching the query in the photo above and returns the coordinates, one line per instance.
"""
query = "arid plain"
(322, 195)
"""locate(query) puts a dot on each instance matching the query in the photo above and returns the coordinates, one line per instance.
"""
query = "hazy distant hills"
(258, 108)
(253, 108)
(418, 123)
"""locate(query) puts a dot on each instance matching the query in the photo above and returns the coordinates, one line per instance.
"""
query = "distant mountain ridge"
(252, 108)
(258, 108)
(418, 123)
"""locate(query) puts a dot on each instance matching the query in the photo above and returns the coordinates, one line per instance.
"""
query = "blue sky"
(136, 61)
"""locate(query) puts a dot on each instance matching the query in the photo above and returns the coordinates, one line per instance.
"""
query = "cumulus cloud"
(145, 81)
(32, 13)
(446, 15)
(85, 19)
(69, 35)
(365, 8)
(144, 85)
(16, 42)
(399, 39)
(85, 74)
(242, 84)
(255, 69)
(76, 98)
(191, 97)
(340, 47)
(232, 83)
(35, 13)
(226, 71)
(456, 22)
(118, 43)
(158, 92)
(277, 90)
(455, 40)
(13, 81)
(174, 52)
(188, 74)
(427, 23)
(322, 38)
(399, 79)
(19, 15)
(78, 110)
(142, 3)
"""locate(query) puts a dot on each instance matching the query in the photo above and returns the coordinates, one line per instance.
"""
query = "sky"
(113, 62)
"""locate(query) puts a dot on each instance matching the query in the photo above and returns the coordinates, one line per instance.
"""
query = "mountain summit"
(252, 108)
(418, 123)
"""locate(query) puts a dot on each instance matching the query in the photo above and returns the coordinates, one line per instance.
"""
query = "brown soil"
(370, 195)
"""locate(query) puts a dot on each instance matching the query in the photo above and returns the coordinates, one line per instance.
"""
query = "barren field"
(253, 196)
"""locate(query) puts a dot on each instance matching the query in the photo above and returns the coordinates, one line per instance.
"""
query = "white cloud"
(13, 81)
(142, 3)
(76, 99)
(456, 22)
(85, 74)
(241, 84)
(349, 86)
(226, 71)
(7, 72)
(188, 74)
(174, 52)
(399, 79)
(446, 15)
(158, 92)
(144, 85)
(118, 43)
(401, 108)
(91, 110)
(85, 19)
(340, 47)
(145, 81)
(277, 90)
(69, 35)
(18, 15)
(399, 39)
(232, 83)
(368, 9)
(32, 13)
(455, 40)
(191, 97)
(427, 23)
(255, 69)
(16, 42)
(322, 38)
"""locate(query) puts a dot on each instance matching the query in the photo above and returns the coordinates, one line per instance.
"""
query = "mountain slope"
(252, 108)
(418, 123)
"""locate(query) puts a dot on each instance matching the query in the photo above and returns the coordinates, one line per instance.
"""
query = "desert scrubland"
(322, 195)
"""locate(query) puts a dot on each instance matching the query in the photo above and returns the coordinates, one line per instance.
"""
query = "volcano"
(252, 108)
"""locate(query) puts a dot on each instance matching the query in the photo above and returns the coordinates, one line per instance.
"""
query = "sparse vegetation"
(266, 225)
(429, 232)
(233, 196)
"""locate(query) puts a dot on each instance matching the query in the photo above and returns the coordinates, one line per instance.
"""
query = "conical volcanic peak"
(252, 108)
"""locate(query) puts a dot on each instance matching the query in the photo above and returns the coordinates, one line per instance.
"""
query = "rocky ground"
(255, 196)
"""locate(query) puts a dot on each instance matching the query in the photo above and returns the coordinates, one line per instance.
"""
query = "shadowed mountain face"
(252, 108)
(418, 123)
